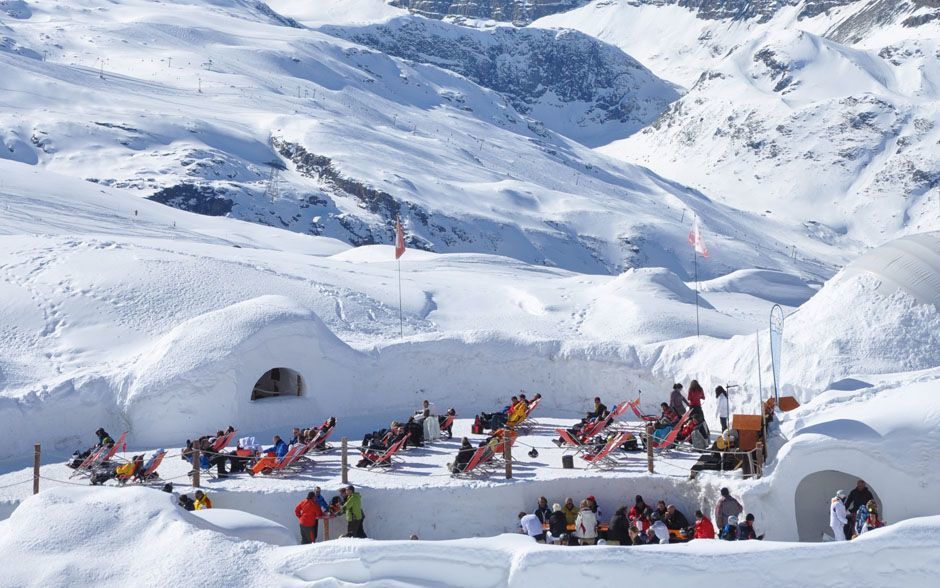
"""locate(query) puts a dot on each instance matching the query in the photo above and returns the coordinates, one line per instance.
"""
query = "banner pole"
(698, 332)
(401, 320)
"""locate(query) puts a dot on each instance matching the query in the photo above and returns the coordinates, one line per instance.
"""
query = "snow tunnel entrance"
(813, 497)
(279, 382)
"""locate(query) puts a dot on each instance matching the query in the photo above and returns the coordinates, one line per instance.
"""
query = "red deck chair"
(321, 438)
(569, 441)
(94, 459)
(670, 439)
(603, 459)
(114, 448)
(150, 468)
(643, 417)
(222, 442)
(619, 410)
(280, 465)
(447, 423)
(594, 428)
(379, 458)
(477, 463)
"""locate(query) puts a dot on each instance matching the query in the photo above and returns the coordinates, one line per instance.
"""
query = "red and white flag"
(695, 238)
(399, 238)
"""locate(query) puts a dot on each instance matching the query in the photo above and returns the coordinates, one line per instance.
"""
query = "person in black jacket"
(858, 497)
(618, 531)
(558, 524)
(542, 511)
(674, 519)
(463, 456)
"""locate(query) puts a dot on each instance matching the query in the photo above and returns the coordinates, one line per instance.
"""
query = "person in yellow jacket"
(202, 501)
(518, 412)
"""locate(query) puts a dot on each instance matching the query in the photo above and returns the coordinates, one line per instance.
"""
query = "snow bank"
(82, 536)
(245, 525)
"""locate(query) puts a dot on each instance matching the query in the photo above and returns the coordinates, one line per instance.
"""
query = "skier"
(838, 516)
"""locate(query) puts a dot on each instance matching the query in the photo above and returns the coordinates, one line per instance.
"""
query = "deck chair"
(635, 405)
(149, 471)
(112, 451)
(670, 439)
(94, 459)
(619, 410)
(477, 464)
(529, 421)
(570, 442)
(222, 442)
(387, 456)
(594, 428)
(279, 466)
(321, 438)
(603, 459)
(446, 425)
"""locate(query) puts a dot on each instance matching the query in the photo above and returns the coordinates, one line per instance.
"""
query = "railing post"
(37, 452)
(759, 466)
(196, 467)
(507, 457)
(345, 462)
(649, 447)
(326, 529)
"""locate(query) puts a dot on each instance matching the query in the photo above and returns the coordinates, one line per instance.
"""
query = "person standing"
(727, 506)
(696, 397)
(308, 512)
(677, 401)
(858, 497)
(703, 527)
(838, 517)
(618, 528)
(571, 510)
(723, 410)
(558, 525)
(352, 508)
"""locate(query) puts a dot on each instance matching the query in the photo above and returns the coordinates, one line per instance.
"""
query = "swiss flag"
(399, 238)
(696, 240)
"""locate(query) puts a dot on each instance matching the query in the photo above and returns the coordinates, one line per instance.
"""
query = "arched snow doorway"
(813, 497)
(279, 381)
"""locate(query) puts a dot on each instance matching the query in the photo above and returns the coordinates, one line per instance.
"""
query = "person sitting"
(746, 529)
(558, 525)
(674, 519)
(271, 457)
(658, 532)
(571, 510)
(463, 456)
(699, 435)
(703, 527)
(141, 474)
(595, 507)
(667, 420)
(637, 537)
(449, 429)
(639, 513)
(730, 531)
(496, 420)
(661, 509)
(542, 511)
(103, 440)
(599, 412)
(296, 436)
(416, 433)
(585, 526)
(518, 412)
(532, 526)
(202, 501)
(617, 530)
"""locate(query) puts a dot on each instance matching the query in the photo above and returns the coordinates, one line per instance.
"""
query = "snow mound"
(210, 363)
(778, 287)
(911, 264)
(245, 525)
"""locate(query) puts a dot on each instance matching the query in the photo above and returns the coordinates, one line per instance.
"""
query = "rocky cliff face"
(516, 11)
(568, 81)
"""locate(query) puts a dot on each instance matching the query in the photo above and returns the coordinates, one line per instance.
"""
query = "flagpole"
(695, 271)
(401, 320)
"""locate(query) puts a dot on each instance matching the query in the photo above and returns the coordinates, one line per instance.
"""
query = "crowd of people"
(853, 514)
(411, 433)
(639, 524)
(348, 503)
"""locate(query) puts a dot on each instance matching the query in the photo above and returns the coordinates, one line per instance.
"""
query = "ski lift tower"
(272, 190)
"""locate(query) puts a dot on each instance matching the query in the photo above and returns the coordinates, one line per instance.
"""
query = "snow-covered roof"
(911, 264)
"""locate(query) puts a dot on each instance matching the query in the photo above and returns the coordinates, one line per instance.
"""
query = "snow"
(243, 525)
(77, 536)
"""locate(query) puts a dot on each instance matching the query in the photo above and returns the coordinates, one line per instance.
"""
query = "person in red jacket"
(308, 512)
(703, 527)
(696, 397)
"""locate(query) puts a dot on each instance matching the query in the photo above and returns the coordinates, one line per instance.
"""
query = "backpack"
(477, 427)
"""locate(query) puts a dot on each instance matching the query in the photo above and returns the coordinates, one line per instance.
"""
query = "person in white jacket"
(837, 515)
(585, 526)
(723, 411)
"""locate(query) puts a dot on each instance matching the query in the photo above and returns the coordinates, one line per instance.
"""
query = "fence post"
(649, 447)
(345, 466)
(759, 459)
(326, 529)
(37, 451)
(507, 457)
(196, 466)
